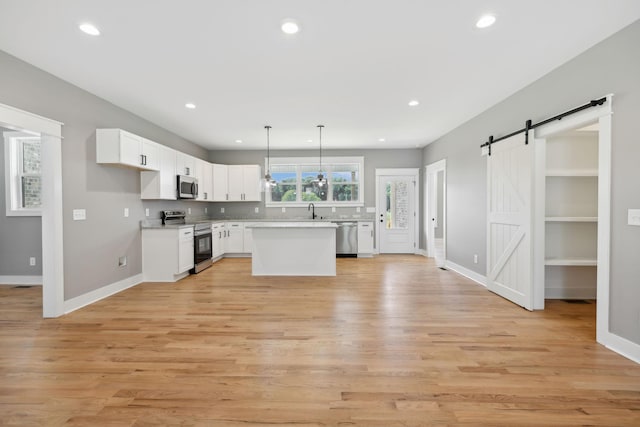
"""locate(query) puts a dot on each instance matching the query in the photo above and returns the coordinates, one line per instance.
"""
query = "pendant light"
(320, 180)
(267, 183)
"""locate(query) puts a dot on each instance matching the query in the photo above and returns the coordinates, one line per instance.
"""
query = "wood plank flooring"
(391, 341)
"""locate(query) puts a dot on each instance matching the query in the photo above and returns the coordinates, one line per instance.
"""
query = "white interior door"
(396, 213)
(509, 216)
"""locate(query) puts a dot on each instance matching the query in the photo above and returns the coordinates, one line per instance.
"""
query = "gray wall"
(612, 66)
(373, 159)
(20, 236)
(91, 247)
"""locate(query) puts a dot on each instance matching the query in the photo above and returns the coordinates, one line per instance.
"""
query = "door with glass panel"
(396, 213)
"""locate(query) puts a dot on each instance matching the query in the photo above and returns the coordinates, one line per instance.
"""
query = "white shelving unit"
(571, 209)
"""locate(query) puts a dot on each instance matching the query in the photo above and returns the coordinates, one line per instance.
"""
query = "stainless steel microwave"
(187, 187)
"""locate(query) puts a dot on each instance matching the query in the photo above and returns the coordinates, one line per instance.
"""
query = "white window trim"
(314, 161)
(11, 186)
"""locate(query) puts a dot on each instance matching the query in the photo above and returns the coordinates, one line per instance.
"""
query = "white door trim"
(52, 248)
(602, 115)
(412, 172)
(430, 203)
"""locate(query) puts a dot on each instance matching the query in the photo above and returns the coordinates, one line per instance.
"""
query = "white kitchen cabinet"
(185, 164)
(167, 253)
(218, 237)
(243, 183)
(204, 174)
(220, 180)
(235, 238)
(248, 237)
(116, 146)
(160, 185)
(365, 239)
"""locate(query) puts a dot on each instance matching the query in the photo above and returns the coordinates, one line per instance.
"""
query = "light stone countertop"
(297, 224)
(157, 223)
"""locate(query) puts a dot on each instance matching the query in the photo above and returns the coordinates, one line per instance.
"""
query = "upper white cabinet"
(220, 179)
(162, 184)
(185, 164)
(204, 174)
(244, 183)
(116, 146)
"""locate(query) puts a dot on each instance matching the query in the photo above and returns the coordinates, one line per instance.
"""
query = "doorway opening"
(436, 211)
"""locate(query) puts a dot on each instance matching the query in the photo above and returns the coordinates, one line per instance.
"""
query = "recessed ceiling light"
(381, 139)
(486, 21)
(89, 29)
(413, 103)
(290, 27)
(190, 105)
(238, 141)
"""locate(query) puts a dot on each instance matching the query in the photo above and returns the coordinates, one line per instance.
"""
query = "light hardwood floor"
(391, 341)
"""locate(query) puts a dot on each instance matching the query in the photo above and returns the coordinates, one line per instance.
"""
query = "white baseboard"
(478, 278)
(620, 345)
(101, 293)
(422, 252)
(21, 280)
(570, 293)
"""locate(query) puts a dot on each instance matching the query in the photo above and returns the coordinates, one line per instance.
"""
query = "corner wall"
(612, 66)
(91, 247)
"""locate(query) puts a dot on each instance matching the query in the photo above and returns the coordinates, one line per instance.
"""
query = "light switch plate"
(146, 212)
(221, 210)
(358, 209)
(257, 209)
(206, 210)
(79, 214)
(633, 217)
(126, 212)
(333, 209)
(371, 209)
(284, 210)
(189, 211)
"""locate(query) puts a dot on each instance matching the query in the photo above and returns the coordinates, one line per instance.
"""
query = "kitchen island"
(294, 249)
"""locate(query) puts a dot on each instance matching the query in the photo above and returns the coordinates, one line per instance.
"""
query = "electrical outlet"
(122, 261)
(206, 210)
(79, 214)
(189, 211)
(284, 210)
(358, 209)
(475, 258)
(32, 261)
(256, 209)
(371, 209)
(633, 217)
(333, 209)
(146, 212)
(221, 210)
(126, 212)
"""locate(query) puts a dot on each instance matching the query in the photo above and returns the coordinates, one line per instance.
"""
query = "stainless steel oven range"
(202, 246)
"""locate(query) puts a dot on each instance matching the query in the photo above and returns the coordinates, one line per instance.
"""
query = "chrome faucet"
(312, 207)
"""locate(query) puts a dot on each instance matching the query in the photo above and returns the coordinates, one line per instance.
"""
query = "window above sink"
(297, 185)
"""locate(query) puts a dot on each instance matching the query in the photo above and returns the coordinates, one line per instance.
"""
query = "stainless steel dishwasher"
(346, 239)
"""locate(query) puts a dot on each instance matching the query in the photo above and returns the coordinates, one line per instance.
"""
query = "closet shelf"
(572, 261)
(571, 219)
(572, 172)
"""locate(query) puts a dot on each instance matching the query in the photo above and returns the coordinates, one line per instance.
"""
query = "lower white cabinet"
(235, 238)
(167, 253)
(365, 239)
(218, 237)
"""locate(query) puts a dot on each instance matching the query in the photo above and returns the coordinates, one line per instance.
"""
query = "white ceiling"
(353, 67)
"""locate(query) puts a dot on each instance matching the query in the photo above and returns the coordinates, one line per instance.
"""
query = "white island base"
(294, 249)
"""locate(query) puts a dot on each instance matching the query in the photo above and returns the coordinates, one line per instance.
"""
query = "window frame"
(13, 171)
(327, 165)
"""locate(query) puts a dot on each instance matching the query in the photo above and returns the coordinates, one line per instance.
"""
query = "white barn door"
(509, 216)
